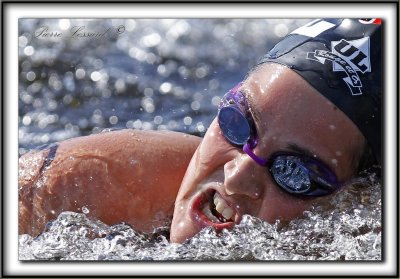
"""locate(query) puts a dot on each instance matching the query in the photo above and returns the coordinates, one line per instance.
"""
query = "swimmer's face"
(287, 112)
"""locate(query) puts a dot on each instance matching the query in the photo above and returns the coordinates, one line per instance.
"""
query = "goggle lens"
(291, 174)
(234, 125)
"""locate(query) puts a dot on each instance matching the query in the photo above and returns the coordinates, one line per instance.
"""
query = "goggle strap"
(249, 151)
(236, 88)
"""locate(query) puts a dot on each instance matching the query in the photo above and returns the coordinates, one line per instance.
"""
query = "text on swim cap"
(356, 52)
(347, 56)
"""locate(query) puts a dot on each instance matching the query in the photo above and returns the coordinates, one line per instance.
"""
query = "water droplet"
(29, 50)
(30, 76)
(201, 72)
(200, 127)
(137, 124)
(187, 120)
(215, 100)
(281, 30)
(120, 85)
(80, 73)
(85, 210)
(195, 105)
(64, 24)
(95, 76)
(151, 40)
(22, 41)
(26, 120)
(113, 120)
(148, 104)
(158, 119)
(165, 87)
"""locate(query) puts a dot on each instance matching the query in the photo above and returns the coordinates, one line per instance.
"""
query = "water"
(348, 227)
(166, 75)
(154, 74)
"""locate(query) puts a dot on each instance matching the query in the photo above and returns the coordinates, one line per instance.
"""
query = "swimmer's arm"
(121, 176)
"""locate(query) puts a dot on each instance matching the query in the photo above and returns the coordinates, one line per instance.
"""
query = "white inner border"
(12, 12)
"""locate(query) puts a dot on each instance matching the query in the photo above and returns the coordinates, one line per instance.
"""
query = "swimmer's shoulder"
(136, 139)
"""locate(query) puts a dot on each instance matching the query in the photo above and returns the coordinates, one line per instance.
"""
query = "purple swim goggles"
(296, 173)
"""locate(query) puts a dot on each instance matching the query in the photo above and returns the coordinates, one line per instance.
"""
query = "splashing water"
(348, 227)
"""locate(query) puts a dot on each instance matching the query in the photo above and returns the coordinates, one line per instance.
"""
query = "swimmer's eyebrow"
(255, 113)
(304, 151)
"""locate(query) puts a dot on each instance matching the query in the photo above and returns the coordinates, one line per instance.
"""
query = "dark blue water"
(168, 75)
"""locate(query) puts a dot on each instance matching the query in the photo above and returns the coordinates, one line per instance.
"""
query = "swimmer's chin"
(181, 231)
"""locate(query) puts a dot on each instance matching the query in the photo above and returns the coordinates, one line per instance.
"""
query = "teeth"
(222, 207)
(227, 213)
(206, 210)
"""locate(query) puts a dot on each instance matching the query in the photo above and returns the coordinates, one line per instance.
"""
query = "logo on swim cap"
(347, 56)
(355, 52)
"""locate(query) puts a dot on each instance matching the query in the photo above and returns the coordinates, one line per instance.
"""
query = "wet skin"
(288, 112)
(121, 176)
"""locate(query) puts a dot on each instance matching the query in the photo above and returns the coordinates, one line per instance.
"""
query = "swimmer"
(304, 122)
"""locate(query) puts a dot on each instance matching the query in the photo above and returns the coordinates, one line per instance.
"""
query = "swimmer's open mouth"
(210, 209)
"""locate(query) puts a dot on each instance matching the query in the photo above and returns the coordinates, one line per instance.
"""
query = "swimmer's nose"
(243, 176)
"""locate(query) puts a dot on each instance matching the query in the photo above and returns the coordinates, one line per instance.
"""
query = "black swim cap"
(342, 59)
